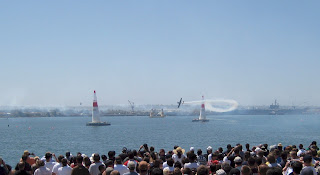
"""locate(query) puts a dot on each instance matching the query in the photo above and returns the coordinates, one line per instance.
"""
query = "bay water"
(61, 134)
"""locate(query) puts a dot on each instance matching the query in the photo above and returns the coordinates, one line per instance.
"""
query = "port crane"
(131, 105)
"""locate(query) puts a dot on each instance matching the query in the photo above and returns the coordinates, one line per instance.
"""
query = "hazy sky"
(154, 52)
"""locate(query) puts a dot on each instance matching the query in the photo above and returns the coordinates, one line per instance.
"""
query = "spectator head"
(64, 162)
(245, 170)
(202, 170)
(234, 171)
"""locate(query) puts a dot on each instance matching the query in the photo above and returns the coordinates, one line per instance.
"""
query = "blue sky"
(154, 52)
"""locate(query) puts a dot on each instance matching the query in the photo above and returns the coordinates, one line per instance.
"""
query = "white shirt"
(176, 158)
(193, 165)
(66, 170)
(56, 167)
(42, 171)
(50, 165)
(121, 168)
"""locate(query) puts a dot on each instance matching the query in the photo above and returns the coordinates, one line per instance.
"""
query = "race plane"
(179, 102)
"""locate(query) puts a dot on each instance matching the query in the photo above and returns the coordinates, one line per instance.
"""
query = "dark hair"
(101, 167)
(170, 162)
(157, 171)
(79, 159)
(296, 167)
(274, 171)
(177, 164)
(245, 170)
(60, 158)
(186, 171)
(202, 170)
(251, 161)
(118, 160)
(64, 162)
(199, 152)
(262, 169)
(234, 171)
(177, 171)
(130, 155)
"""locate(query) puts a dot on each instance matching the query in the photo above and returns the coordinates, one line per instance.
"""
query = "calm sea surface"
(61, 134)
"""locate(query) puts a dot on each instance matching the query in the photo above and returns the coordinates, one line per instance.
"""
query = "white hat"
(226, 160)
(209, 148)
(191, 148)
(220, 172)
(257, 150)
(237, 159)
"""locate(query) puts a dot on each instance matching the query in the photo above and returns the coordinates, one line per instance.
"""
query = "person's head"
(64, 162)
(96, 157)
(118, 160)
(259, 160)
(238, 161)
(68, 154)
(108, 170)
(177, 171)
(234, 171)
(102, 168)
(307, 159)
(274, 171)
(221, 172)
(262, 169)
(104, 157)
(192, 157)
(111, 154)
(40, 163)
(130, 155)
(293, 154)
(60, 157)
(177, 164)
(271, 158)
(115, 172)
(86, 161)
(245, 170)
(48, 156)
(157, 163)
(202, 170)
(251, 161)
(296, 167)
(21, 165)
(131, 166)
(187, 171)
(157, 171)
(170, 162)
(79, 160)
(199, 152)
(247, 146)
(162, 152)
(226, 167)
(143, 167)
(24, 158)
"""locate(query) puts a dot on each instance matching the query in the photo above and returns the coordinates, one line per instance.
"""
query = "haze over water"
(61, 134)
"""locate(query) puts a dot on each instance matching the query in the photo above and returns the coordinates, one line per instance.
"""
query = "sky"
(55, 53)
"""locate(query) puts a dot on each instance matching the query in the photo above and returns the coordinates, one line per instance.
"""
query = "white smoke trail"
(217, 105)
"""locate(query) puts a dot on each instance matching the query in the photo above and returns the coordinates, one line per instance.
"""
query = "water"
(61, 134)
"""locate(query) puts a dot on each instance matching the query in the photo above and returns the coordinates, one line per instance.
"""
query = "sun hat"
(179, 149)
(209, 148)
